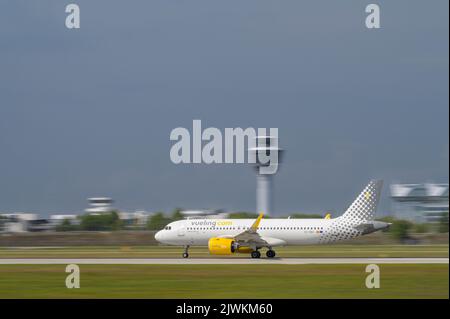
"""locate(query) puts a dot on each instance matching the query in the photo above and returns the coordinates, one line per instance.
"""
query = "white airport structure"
(99, 205)
(29, 222)
(135, 219)
(58, 219)
(16, 222)
(264, 182)
(419, 203)
(22, 222)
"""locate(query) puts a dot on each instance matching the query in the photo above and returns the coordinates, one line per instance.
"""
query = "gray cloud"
(89, 112)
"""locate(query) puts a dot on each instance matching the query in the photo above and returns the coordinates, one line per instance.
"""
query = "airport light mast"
(265, 145)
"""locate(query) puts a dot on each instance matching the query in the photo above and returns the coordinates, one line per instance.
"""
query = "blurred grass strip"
(224, 281)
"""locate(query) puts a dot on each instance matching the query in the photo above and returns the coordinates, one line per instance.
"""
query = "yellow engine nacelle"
(226, 246)
(221, 246)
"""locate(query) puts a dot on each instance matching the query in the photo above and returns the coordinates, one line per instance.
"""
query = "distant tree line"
(101, 222)
(401, 230)
(159, 220)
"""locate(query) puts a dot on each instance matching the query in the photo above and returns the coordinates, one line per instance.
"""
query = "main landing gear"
(186, 254)
(270, 253)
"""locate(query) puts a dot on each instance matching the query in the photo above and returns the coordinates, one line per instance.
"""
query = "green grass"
(199, 252)
(224, 281)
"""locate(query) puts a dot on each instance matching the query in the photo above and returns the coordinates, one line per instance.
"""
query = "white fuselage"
(197, 232)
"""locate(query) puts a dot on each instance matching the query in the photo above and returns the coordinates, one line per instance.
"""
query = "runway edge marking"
(215, 261)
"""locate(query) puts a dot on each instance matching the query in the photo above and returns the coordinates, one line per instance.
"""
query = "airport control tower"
(264, 182)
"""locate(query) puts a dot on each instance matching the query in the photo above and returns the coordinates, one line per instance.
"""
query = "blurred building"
(23, 222)
(420, 202)
(99, 205)
(136, 219)
(56, 220)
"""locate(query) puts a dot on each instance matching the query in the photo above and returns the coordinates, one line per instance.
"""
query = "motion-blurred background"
(86, 114)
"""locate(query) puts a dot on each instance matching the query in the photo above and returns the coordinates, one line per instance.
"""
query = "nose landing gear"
(186, 254)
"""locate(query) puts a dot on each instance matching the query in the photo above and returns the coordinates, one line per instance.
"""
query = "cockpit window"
(167, 227)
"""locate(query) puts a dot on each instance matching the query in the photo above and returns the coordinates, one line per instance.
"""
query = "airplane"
(231, 236)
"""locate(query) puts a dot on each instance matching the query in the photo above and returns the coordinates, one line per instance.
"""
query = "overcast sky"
(88, 112)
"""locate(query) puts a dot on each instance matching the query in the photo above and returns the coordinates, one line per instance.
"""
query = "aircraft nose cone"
(158, 236)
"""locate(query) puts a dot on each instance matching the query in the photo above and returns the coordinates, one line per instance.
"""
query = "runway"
(223, 261)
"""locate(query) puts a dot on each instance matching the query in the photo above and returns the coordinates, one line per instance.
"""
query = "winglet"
(328, 216)
(257, 221)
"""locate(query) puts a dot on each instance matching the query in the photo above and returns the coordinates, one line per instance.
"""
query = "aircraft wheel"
(270, 253)
(256, 254)
(185, 255)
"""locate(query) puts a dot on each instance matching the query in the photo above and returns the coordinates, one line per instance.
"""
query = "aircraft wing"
(364, 227)
(251, 236)
(369, 227)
